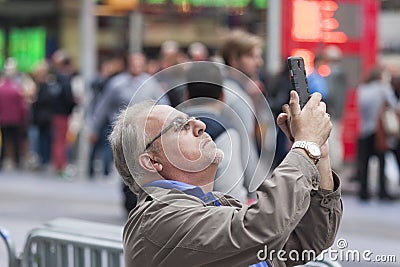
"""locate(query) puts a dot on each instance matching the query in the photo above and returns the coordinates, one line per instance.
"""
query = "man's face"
(184, 145)
(137, 63)
(251, 62)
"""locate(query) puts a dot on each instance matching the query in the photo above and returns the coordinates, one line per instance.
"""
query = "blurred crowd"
(43, 114)
(35, 110)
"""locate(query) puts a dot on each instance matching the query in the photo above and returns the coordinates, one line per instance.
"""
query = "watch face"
(314, 150)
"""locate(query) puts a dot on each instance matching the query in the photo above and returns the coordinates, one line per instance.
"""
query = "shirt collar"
(185, 188)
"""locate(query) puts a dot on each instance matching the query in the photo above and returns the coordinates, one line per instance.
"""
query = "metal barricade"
(13, 261)
(67, 242)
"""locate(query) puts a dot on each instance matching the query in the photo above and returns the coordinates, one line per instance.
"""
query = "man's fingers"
(283, 125)
(294, 103)
(281, 119)
(322, 105)
(328, 116)
(314, 100)
(286, 109)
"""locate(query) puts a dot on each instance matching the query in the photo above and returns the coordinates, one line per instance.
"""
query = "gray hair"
(128, 140)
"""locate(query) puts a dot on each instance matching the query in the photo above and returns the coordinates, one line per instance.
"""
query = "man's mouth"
(205, 140)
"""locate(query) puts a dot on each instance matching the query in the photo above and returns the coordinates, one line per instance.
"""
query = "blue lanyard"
(259, 264)
(187, 189)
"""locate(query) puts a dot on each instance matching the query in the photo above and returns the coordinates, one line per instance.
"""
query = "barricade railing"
(67, 242)
(13, 261)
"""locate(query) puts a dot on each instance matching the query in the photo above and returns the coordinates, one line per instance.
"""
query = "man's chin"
(219, 156)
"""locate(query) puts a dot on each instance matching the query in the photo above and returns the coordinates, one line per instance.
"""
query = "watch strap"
(304, 145)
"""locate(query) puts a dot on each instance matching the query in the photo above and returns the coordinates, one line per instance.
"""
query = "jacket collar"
(185, 188)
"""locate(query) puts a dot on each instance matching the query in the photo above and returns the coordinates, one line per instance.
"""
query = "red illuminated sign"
(313, 21)
(309, 26)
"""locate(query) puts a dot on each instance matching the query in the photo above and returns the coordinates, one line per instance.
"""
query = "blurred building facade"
(52, 24)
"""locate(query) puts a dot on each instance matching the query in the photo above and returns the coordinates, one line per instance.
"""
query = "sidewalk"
(28, 200)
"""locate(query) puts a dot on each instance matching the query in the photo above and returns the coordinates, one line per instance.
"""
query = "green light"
(240, 3)
(155, 2)
(261, 3)
(1, 49)
(27, 46)
(176, 2)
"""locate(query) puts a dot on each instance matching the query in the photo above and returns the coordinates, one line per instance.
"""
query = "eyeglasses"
(179, 124)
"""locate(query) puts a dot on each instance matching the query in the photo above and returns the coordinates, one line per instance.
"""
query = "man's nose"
(198, 127)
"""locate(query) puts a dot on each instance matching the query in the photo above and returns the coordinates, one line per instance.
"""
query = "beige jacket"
(171, 228)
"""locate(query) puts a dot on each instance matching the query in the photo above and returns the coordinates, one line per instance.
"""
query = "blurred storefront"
(50, 24)
(28, 30)
(184, 21)
(31, 30)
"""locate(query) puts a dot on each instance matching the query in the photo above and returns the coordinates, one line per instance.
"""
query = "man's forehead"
(163, 114)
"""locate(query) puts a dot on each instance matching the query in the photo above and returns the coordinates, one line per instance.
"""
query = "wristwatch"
(312, 149)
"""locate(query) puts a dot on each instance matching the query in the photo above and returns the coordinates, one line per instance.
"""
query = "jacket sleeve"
(234, 236)
(323, 219)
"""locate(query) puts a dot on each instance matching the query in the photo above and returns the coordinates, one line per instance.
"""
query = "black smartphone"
(298, 77)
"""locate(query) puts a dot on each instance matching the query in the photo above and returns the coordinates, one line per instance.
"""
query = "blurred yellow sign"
(123, 4)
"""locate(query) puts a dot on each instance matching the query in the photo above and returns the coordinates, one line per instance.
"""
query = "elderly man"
(170, 162)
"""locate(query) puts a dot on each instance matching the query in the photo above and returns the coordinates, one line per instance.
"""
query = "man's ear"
(150, 165)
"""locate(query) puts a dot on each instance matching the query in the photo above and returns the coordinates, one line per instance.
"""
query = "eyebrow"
(166, 129)
(182, 117)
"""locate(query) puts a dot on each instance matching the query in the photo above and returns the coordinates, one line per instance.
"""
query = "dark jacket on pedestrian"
(42, 108)
(63, 102)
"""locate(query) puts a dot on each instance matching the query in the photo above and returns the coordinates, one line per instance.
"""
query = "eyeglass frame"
(177, 123)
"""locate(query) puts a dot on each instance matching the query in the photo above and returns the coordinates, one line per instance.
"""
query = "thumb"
(294, 103)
